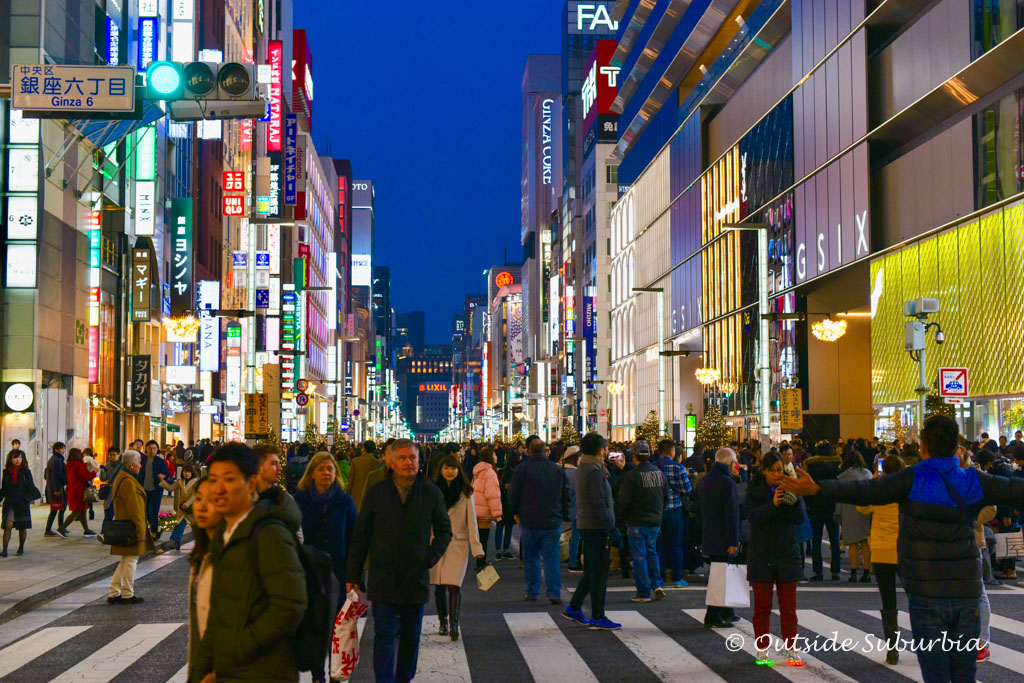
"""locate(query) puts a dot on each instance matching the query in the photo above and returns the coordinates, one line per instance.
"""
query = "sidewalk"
(52, 565)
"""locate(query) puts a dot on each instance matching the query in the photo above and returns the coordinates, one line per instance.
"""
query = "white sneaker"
(763, 658)
(793, 658)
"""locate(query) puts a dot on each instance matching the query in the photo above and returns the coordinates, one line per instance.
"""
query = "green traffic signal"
(164, 80)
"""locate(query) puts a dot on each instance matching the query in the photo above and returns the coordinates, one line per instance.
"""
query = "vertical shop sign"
(291, 131)
(95, 239)
(275, 54)
(141, 283)
(142, 377)
(300, 179)
(147, 41)
(181, 256)
(209, 326)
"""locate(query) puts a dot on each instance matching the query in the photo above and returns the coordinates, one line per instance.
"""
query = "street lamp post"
(762, 300)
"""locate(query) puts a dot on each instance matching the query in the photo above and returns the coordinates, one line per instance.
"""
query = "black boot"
(454, 606)
(890, 625)
(442, 609)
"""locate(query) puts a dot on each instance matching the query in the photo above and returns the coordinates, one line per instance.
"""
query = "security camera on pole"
(915, 333)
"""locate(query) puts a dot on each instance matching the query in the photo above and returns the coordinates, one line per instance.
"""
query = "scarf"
(451, 491)
(14, 474)
(322, 497)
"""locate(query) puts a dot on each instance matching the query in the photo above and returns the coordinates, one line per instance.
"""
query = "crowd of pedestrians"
(391, 520)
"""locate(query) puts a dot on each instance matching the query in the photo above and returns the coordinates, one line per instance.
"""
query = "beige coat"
(130, 503)
(450, 570)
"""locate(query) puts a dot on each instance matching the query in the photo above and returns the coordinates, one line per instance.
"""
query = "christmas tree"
(934, 405)
(316, 441)
(650, 430)
(570, 437)
(713, 431)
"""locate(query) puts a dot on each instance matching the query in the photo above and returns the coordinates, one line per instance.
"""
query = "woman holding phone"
(773, 558)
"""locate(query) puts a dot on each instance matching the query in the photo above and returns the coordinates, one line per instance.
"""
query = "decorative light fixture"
(185, 326)
(615, 388)
(728, 387)
(707, 375)
(829, 330)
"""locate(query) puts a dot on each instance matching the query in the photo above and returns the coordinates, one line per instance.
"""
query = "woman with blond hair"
(328, 517)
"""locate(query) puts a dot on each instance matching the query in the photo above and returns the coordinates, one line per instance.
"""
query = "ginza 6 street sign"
(73, 88)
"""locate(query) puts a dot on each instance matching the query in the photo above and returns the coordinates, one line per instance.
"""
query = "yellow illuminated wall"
(976, 271)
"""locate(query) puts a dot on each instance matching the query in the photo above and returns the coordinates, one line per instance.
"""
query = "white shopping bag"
(727, 586)
(345, 643)
(1010, 544)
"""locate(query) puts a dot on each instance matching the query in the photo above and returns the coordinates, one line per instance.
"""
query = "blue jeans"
(642, 546)
(574, 546)
(391, 623)
(672, 543)
(503, 534)
(949, 625)
(179, 530)
(538, 545)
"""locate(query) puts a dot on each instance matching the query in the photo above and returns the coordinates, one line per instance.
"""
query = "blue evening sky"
(424, 98)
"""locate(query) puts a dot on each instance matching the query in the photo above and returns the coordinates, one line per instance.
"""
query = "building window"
(998, 150)
(611, 174)
(992, 22)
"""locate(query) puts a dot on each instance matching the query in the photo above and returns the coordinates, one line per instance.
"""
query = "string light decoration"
(829, 330)
(728, 387)
(707, 375)
(615, 388)
(185, 326)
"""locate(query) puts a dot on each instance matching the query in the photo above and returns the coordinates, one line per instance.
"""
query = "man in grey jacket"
(595, 518)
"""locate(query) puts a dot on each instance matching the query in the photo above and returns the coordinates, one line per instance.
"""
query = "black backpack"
(311, 642)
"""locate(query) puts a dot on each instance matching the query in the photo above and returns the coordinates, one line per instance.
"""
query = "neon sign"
(503, 279)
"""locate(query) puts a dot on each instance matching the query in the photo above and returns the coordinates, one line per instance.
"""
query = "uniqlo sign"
(234, 181)
(234, 205)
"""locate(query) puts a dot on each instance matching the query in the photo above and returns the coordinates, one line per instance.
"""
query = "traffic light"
(206, 90)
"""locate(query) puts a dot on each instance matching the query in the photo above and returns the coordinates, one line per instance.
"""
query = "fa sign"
(594, 15)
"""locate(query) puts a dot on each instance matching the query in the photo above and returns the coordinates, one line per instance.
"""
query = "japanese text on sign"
(52, 87)
(791, 413)
(234, 181)
(181, 257)
(141, 281)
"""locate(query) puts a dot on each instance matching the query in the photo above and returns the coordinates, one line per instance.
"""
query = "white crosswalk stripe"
(181, 676)
(1006, 624)
(814, 666)
(826, 627)
(546, 650)
(1001, 655)
(118, 654)
(21, 653)
(666, 658)
(440, 659)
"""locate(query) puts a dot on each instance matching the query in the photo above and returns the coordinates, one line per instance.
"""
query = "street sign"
(302, 384)
(953, 382)
(356, 413)
(256, 416)
(302, 399)
(602, 416)
(73, 88)
(791, 402)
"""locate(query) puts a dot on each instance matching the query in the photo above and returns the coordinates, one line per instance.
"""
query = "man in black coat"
(56, 476)
(824, 465)
(939, 562)
(394, 530)
(720, 511)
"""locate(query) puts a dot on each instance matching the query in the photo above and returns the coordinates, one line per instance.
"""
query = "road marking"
(814, 666)
(826, 627)
(1006, 624)
(666, 658)
(1003, 656)
(49, 612)
(440, 659)
(17, 656)
(702, 587)
(546, 650)
(117, 655)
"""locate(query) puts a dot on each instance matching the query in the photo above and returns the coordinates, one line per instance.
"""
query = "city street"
(78, 637)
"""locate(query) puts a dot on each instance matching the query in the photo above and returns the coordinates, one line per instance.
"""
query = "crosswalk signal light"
(164, 81)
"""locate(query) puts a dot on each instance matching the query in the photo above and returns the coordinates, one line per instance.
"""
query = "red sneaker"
(983, 654)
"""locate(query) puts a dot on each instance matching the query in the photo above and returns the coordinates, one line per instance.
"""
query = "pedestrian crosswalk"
(539, 646)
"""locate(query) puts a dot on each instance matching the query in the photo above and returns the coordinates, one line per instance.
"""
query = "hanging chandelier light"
(728, 387)
(707, 375)
(829, 330)
(185, 326)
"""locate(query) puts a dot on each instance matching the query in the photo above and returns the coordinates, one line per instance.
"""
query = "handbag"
(118, 532)
(1010, 544)
(486, 577)
(728, 586)
(103, 492)
(345, 642)
(90, 494)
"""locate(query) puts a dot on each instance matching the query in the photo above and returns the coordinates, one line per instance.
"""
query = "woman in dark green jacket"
(255, 607)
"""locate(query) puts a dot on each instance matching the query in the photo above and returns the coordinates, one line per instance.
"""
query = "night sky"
(424, 98)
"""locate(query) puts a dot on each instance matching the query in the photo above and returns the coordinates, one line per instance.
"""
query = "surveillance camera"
(940, 337)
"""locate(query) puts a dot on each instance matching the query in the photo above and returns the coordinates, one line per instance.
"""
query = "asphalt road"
(80, 637)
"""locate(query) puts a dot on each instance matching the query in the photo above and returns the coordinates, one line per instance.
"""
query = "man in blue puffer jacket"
(939, 561)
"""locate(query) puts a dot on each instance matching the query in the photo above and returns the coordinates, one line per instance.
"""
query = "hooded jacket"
(642, 496)
(254, 610)
(486, 493)
(774, 552)
(396, 537)
(937, 553)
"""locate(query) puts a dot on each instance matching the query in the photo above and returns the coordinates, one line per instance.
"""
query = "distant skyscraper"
(411, 330)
